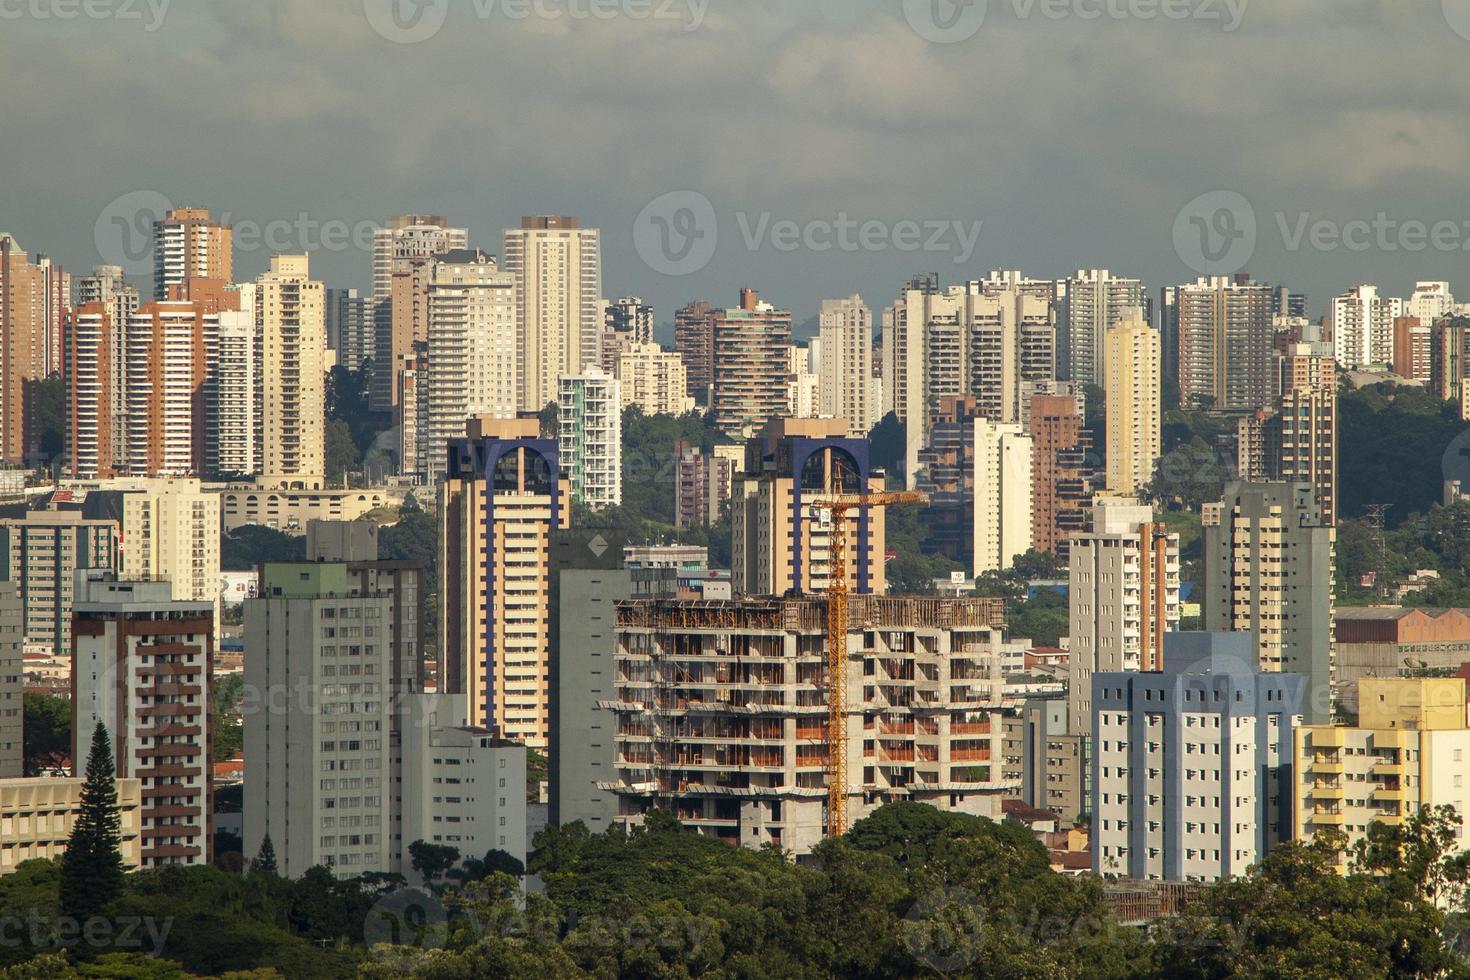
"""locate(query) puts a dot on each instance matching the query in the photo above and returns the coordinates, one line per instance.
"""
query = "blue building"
(1192, 763)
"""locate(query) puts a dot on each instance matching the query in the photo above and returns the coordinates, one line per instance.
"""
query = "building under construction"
(721, 712)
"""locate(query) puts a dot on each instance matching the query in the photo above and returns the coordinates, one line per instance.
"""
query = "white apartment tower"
(1429, 302)
(654, 379)
(558, 268)
(233, 436)
(1091, 303)
(472, 365)
(845, 363)
(1362, 326)
(590, 436)
(1001, 521)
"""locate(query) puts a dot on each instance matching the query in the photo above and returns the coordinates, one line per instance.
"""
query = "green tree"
(46, 729)
(264, 862)
(229, 733)
(1187, 476)
(245, 547)
(432, 861)
(92, 867)
(343, 456)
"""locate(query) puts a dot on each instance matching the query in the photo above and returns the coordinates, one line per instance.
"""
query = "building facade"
(558, 268)
(590, 436)
(1134, 440)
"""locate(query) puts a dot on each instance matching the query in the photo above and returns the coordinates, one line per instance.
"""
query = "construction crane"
(837, 504)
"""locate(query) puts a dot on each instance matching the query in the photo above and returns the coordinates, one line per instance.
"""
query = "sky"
(807, 148)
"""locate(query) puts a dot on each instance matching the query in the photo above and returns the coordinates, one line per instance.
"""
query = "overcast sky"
(1072, 131)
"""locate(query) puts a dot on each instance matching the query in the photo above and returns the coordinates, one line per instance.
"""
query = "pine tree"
(264, 861)
(92, 868)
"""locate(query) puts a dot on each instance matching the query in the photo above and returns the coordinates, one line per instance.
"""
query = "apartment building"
(654, 379)
(504, 495)
(289, 309)
(750, 364)
(403, 248)
(721, 712)
(12, 671)
(107, 286)
(694, 339)
(1134, 418)
(845, 365)
(1404, 753)
(781, 539)
(1429, 302)
(1090, 304)
(471, 357)
(703, 482)
(630, 317)
(87, 368)
(558, 268)
(189, 244)
(143, 666)
(1225, 334)
(590, 436)
(1297, 441)
(351, 327)
(1192, 768)
(1363, 327)
(41, 552)
(233, 398)
(1061, 472)
(1000, 521)
(37, 815)
(1123, 598)
(1268, 572)
(1412, 340)
(167, 366)
(23, 329)
(1052, 764)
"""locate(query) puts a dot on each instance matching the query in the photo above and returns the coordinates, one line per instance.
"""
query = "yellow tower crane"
(838, 504)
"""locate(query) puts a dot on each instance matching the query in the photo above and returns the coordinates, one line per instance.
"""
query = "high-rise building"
(1362, 326)
(590, 436)
(143, 666)
(1061, 473)
(630, 317)
(351, 328)
(1001, 521)
(41, 553)
(750, 361)
(87, 368)
(803, 383)
(471, 356)
(189, 244)
(1134, 440)
(22, 348)
(106, 285)
(721, 687)
(1297, 442)
(1123, 596)
(654, 379)
(1192, 766)
(402, 252)
(558, 268)
(780, 540)
(1412, 340)
(694, 339)
(12, 675)
(1449, 353)
(970, 339)
(1225, 335)
(55, 305)
(703, 482)
(167, 367)
(845, 364)
(233, 395)
(1090, 304)
(289, 319)
(1268, 567)
(168, 530)
(504, 495)
(1388, 765)
(1430, 302)
(411, 413)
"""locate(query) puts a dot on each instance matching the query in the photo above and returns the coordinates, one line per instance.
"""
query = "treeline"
(909, 891)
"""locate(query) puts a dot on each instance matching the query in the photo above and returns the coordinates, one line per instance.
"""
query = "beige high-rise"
(290, 318)
(558, 269)
(22, 343)
(845, 366)
(1133, 379)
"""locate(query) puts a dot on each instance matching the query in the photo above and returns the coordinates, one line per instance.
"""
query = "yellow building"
(1133, 384)
(1408, 750)
(36, 815)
